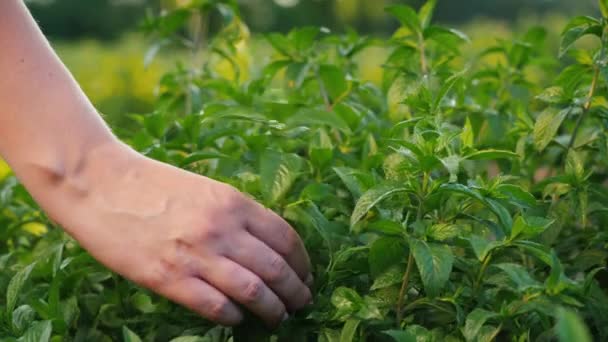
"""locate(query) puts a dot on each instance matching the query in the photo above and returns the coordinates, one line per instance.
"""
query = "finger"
(202, 298)
(272, 268)
(281, 237)
(244, 287)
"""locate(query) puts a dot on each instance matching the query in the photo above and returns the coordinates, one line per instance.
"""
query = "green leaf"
(557, 280)
(475, 321)
(529, 227)
(407, 16)
(15, 286)
(444, 90)
(519, 275)
(372, 197)
(552, 95)
(318, 117)
(278, 172)
(143, 302)
(426, 13)
(198, 156)
(346, 301)
(517, 195)
(546, 126)
(439, 34)
(499, 210)
(401, 336)
(190, 339)
(280, 43)
(129, 336)
(577, 28)
(22, 317)
(467, 137)
(38, 332)
(434, 264)
(491, 155)
(443, 231)
(604, 8)
(570, 327)
(334, 80)
(349, 330)
(384, 253)
(388, 278)
(481, 246)
(356, 181)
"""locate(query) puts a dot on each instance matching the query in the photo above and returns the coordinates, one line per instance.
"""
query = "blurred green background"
(100, 43)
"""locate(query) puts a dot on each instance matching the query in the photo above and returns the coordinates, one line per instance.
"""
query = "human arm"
(196, 241)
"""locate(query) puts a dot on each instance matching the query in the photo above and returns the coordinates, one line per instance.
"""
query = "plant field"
(463, 197)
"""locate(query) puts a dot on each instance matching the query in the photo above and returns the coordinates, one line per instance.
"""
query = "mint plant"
(458, 200)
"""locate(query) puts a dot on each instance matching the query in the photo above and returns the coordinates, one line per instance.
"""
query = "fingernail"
(309, 280)
(285, 317)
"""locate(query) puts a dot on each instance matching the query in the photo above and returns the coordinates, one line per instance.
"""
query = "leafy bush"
(457, 201)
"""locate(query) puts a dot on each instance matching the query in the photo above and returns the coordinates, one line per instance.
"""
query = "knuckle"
(218, 310)
(278, 269)
(253, 291)
(158, 275)
(291, 240)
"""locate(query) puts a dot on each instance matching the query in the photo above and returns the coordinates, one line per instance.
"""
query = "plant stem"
(198, 31)
(404, 284)
(482, 270)
(586, 108)
(423, 62)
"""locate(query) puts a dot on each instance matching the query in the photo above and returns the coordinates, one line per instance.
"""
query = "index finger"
(281, 237)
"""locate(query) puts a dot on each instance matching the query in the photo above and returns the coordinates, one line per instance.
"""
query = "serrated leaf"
(278, 172)
(434, 264)
(570, 327)
(546, 126)
(475, 321)
(372, 197)
(15, 286)
(143, 302)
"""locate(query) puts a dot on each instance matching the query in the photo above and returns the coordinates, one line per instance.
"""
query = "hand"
(196, 241)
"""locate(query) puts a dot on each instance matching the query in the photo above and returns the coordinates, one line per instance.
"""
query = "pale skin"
(196, 241)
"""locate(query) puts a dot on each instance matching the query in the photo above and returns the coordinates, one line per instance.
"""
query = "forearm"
(47, 125)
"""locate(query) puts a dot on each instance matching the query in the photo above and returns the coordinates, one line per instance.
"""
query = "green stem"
(404, 284)
(586, 108)
(482, 270)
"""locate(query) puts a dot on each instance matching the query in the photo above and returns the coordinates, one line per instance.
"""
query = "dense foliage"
(459, 200)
